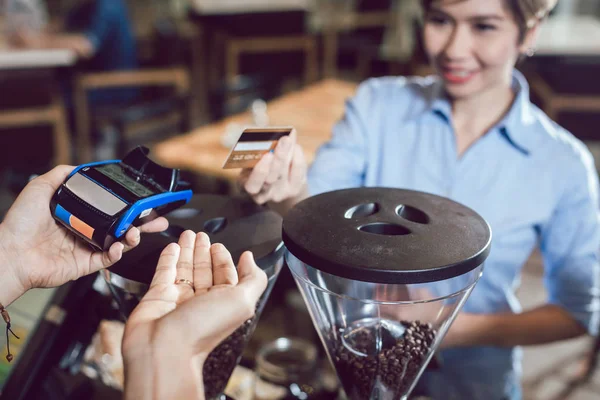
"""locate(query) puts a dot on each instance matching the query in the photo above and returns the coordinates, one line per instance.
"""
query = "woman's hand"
(38, 252)
(196, 299)
(278, 176)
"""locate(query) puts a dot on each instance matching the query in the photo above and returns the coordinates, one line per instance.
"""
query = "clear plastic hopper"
(384, 273)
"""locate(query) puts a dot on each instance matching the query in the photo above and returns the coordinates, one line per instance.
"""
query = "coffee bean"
(220, 363)
(395, 366)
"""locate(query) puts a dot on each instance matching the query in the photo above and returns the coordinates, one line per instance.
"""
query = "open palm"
(197, 314)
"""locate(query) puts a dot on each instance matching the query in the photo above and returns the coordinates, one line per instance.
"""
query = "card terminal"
(100, 201)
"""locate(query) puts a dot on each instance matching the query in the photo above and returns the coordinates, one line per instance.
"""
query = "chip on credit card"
(253, 144)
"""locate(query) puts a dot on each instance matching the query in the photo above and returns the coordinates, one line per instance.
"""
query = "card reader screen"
(116, 173)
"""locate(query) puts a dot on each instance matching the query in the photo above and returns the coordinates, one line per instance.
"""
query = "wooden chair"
(227, 79)
(52, 114)
(555, 102)
(364, 15)
(235, 35)
(235, 47)
(139, 114)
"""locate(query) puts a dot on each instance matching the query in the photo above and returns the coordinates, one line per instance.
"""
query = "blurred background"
(85, 80)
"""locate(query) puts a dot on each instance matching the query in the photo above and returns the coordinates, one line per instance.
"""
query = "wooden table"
(211, 7)
(22, 59)
(312, 111)
(236, 28)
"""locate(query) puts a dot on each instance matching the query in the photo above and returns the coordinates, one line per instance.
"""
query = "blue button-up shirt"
(534, 183)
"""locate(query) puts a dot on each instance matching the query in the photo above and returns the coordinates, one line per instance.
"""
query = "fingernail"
(217, 247)
(119, 247)
(204, 237)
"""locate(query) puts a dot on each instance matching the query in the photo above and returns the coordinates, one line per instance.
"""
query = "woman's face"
(472, 44)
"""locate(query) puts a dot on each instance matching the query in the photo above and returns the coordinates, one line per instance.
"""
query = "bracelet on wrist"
(6, 318)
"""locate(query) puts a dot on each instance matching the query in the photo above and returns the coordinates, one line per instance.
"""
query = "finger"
(133, 235)
(132, 238)
(281, 158)
(246, 266)
(108, 258)
(278, 192)
(156, 225)
(251, 277)
(185, 263)
(294, 180)
(55, 177)
(223, 269)
(244, 175)
(290, 154)
(166, 269)
(203, 276)
(243, 178)
(257, 178)
(297, 175)
(265, 195)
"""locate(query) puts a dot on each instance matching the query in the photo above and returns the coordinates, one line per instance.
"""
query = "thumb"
(55, 177)
(252, 279)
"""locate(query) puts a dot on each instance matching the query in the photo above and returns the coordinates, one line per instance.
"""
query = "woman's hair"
(526, 12)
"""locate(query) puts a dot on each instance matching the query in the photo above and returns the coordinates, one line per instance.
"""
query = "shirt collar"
(513, 124)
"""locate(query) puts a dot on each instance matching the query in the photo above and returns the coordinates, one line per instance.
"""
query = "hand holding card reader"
(100, 201)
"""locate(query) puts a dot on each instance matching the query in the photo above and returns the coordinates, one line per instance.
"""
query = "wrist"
(486, 330)
(11, 287)
(474, 330)
(177, 376)
(162, 372)
(138, 377)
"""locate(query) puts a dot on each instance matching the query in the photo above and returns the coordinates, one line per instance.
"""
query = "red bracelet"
(6, 318)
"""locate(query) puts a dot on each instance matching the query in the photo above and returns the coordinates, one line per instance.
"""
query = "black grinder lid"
(236, 222)
(387, 235)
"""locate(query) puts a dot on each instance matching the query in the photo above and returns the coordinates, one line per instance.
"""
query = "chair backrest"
(235, 96)
(374, 5)
(176, 78)
(169, 46)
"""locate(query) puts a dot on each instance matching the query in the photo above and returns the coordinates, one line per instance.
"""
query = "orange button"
(81, 227)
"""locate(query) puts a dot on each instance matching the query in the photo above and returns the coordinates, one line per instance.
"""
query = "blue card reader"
(100, 201)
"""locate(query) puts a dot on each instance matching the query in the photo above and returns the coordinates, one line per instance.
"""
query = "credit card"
(253, 144)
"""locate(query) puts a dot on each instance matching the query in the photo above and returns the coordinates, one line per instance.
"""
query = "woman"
(470, 133)
(196, 299)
